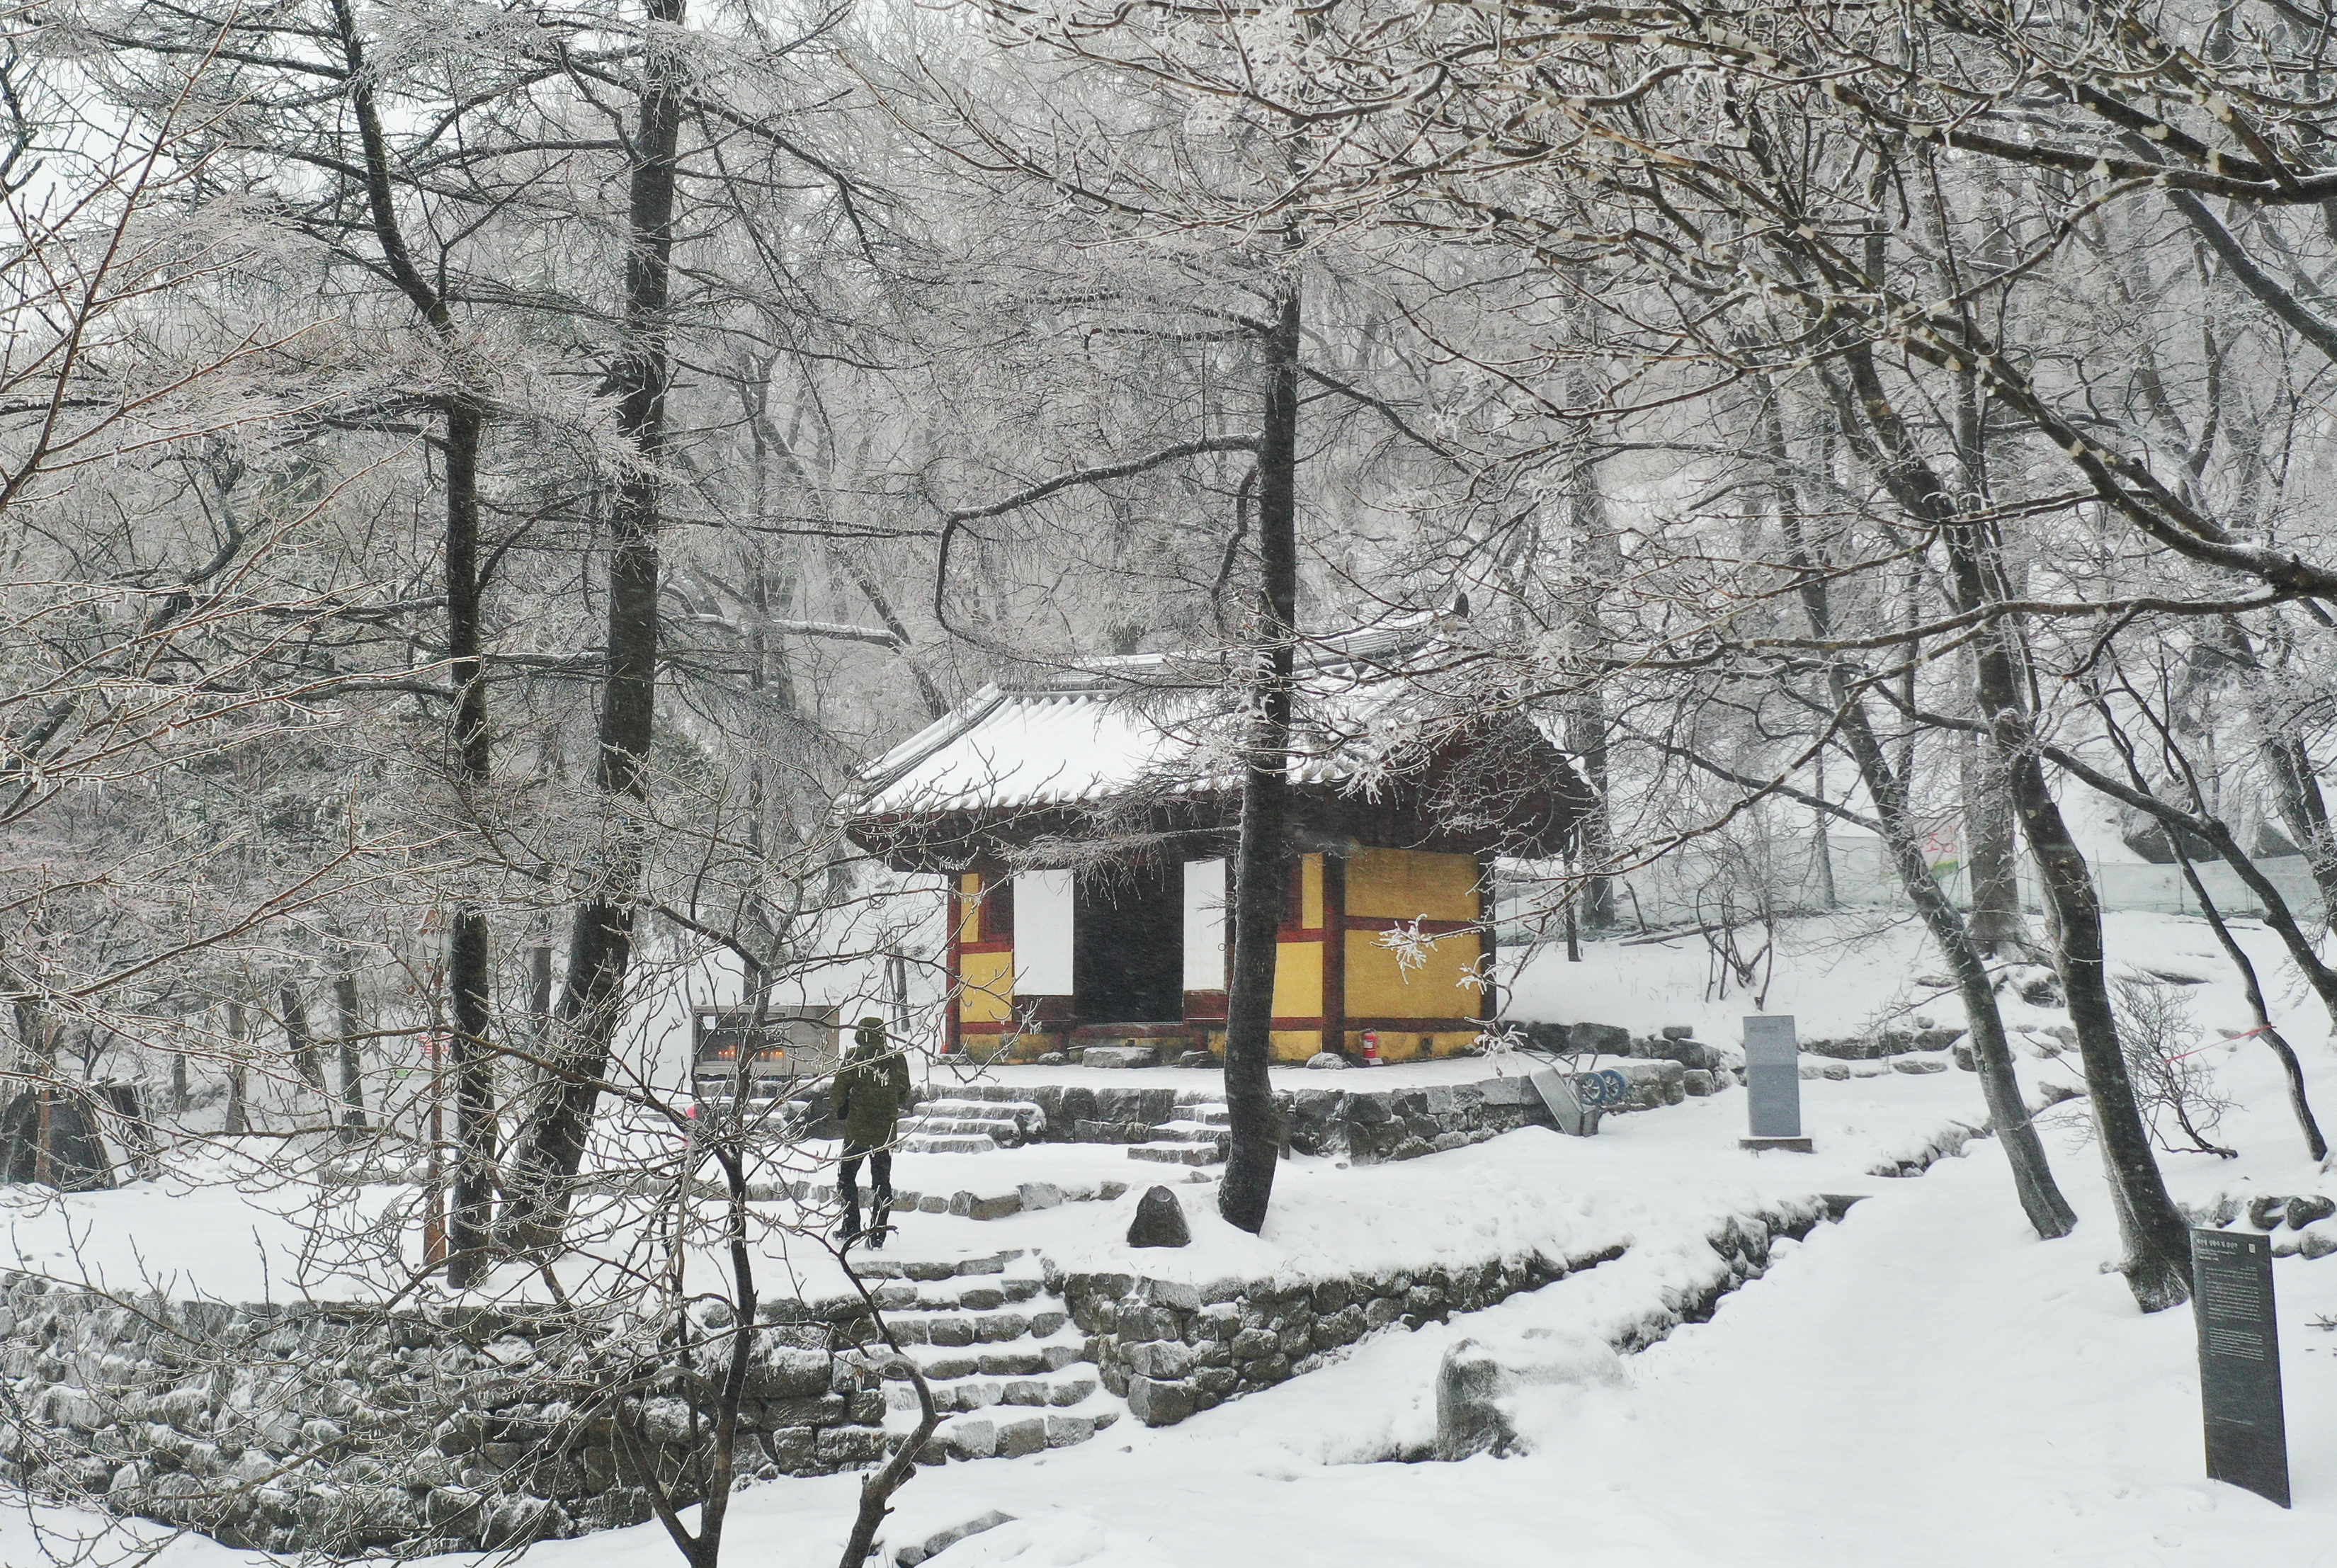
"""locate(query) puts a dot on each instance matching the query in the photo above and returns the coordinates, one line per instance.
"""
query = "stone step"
(948, 1144)
(995, 1433)
(958, 1330)
(1210, 1115)
(931, 1269)
(1025, 1112)
(998, 1127)
(1189, 1133)
(982, 1293)
(954, 1395)
(1015, 1358)
(1178, 1153)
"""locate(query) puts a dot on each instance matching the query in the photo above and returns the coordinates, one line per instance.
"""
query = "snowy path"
(1920, 1386)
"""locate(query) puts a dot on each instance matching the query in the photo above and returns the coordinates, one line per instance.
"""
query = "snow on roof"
(1161, 723)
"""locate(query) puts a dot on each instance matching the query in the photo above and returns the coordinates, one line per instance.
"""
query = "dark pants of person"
(848, 1180)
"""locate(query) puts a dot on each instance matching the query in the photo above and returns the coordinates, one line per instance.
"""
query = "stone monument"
(1773, 1081)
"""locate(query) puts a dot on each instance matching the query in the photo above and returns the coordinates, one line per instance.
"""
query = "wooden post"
(1335, 953)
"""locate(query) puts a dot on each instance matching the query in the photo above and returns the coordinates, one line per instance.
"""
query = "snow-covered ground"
(1924, 1383)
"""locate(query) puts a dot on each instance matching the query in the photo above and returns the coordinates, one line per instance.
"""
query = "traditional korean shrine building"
(1087, 822)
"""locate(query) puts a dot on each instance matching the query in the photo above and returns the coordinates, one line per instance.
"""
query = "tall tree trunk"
(352, 1027)
(1597, 561)
(551, 1149)
(301, 1041)
(2157, 1265)
(471, 764)
(1991, 855)
(239, 1034)
(1261, 872)
(2033, 1185)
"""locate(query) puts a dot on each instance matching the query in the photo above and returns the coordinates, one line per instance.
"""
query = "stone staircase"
(1197, 1137)
(963, 1126)
(1007, 1367)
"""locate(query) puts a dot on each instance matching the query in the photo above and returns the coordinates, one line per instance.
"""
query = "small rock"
(1468, 1416)
(1196, 1059)
(1918, 1064)
(2304, 1210)
(1053, 1059)
(1679, 1032)
(1696, 1082)
(2316, 1244)
(2265, 1212)
(1160, 1220)
(1961, 1051)
(1326, 1061)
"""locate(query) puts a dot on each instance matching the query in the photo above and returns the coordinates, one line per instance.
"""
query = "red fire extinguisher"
(1370, 1048)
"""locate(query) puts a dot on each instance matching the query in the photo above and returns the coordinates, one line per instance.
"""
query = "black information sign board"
(2239, 1361)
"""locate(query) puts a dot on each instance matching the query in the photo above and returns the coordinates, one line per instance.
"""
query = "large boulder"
(1159, 1221)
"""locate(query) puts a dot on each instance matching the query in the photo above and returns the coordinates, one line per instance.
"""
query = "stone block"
(1160, 1360)
(1037, 1195)
(1027, 1434)
(1120, 1056)
(1507, 1091)
(847, 1448)
(1606, 1039)
(969, 1437)
(1158, 1403)
(778, 1371)
(1177, 1295)
(1063, 1430)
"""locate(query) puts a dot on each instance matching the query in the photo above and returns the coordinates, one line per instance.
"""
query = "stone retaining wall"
(1332, 1114)
(340, 1429)
(1172, 1348)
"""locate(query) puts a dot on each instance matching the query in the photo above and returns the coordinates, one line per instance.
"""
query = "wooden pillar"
(1335, 953)
(952, 1040)
(1488, 909)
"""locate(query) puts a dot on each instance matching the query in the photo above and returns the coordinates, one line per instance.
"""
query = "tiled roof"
(1163, 724)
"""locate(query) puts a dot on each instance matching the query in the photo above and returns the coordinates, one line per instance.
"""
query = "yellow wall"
(1379, 987)
(1294, 1044)
(1298, 980)
(1310, 893)
(1410, 884)
(969, 924)
(989, 993)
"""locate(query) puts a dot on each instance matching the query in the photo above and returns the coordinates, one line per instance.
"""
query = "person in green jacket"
(871, 1089)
